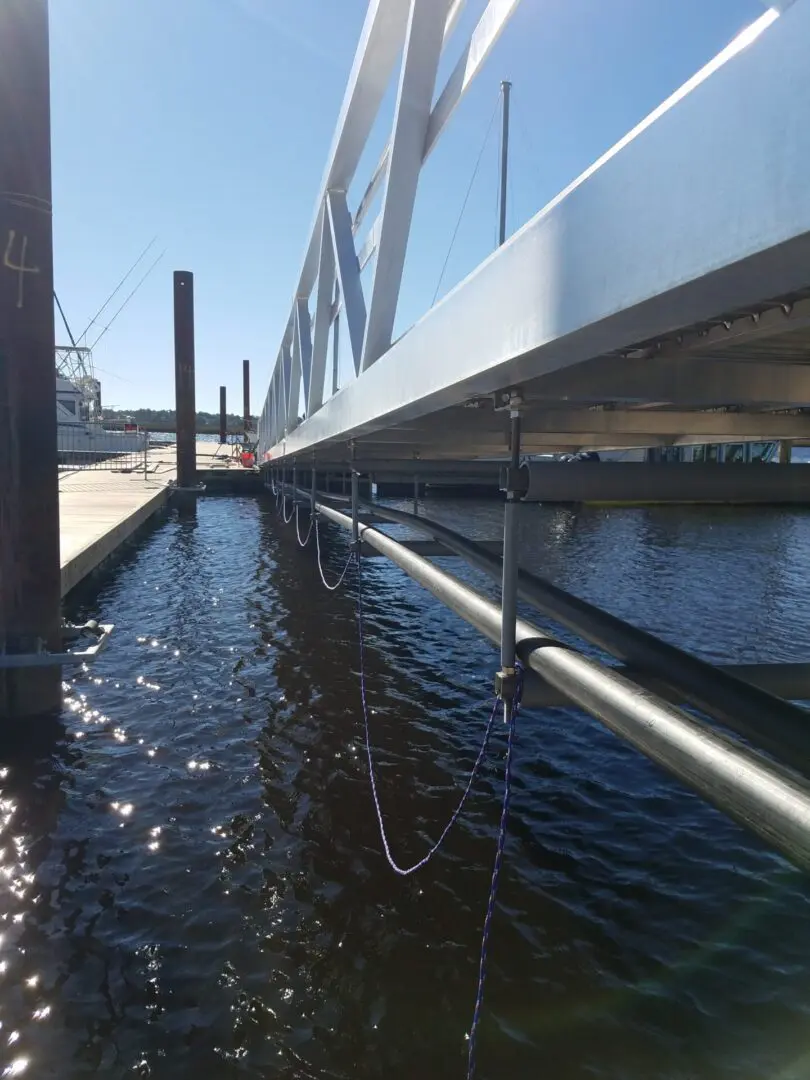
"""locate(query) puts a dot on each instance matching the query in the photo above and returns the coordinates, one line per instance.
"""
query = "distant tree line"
(166, 418)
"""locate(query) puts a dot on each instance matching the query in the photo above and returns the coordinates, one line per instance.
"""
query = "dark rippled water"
(192, 881)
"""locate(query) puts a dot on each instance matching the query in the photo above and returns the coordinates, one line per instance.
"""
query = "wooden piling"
(246, 394)
(29, 484)
(185, 406)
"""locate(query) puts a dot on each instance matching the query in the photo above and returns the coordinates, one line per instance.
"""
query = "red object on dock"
(247, 459)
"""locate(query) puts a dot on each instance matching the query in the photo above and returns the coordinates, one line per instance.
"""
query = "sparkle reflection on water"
(191, 879)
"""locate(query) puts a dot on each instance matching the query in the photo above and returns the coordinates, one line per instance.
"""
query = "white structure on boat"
(79, 434)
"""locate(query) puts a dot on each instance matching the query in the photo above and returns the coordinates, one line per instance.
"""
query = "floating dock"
(100, 509)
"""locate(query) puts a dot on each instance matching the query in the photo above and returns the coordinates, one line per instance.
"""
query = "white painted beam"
(490, 27)
(379, 173)
(290, 388)
(423, 45)
(380, 44)
(348, 270)
(371, 243)
(303, 341)
(704, 210)
(323, 316)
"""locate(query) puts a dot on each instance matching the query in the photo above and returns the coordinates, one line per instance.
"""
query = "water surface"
(192, 881)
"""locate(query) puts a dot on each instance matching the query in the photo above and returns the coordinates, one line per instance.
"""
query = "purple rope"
(304, 542)
(339, 581)
(509, 717)
(404, 871)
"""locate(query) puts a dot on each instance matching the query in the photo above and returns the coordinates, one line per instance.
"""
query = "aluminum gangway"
(663, 297)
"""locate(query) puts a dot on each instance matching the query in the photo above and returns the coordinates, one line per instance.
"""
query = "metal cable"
(466, 200)
(339, 581)
(287, 520)
(404, 871)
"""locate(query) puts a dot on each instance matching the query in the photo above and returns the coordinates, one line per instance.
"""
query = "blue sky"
(206, 123)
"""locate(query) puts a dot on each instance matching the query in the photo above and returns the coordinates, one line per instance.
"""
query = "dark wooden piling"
(246, 394)
(185, 405)
(29, 485)
(223, 416)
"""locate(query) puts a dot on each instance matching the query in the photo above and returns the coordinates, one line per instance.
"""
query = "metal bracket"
(506, 684)
(64, 659)
(514, 479)
(507, 399)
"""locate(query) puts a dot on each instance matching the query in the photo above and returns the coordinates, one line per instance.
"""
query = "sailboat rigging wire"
(115, 316)
(117, 288)
(466, 200)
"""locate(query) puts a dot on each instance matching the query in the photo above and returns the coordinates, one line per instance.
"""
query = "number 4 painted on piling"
(20, 268)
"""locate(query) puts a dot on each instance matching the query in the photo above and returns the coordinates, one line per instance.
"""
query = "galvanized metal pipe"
(355, 506)
(763, 796)
(776, 725)
(506, 88)
(509, 565)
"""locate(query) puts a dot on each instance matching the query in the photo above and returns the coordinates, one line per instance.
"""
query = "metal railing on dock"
(110, 445)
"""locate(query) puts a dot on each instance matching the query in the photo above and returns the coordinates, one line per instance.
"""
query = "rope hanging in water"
(493, 888)
(404, 871)
(511, 710)
(345, 570)
(305, 541)
(510, 714)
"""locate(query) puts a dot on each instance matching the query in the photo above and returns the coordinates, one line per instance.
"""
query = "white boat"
(78, 434)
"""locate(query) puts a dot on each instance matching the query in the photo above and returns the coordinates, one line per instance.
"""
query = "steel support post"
(507, 677)
(355, 503)
(506, 89)
(223, 416)
(246, 395)
(30, 584)
(416, 495)
(294, 481)
(185, 408)
(312, 489)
